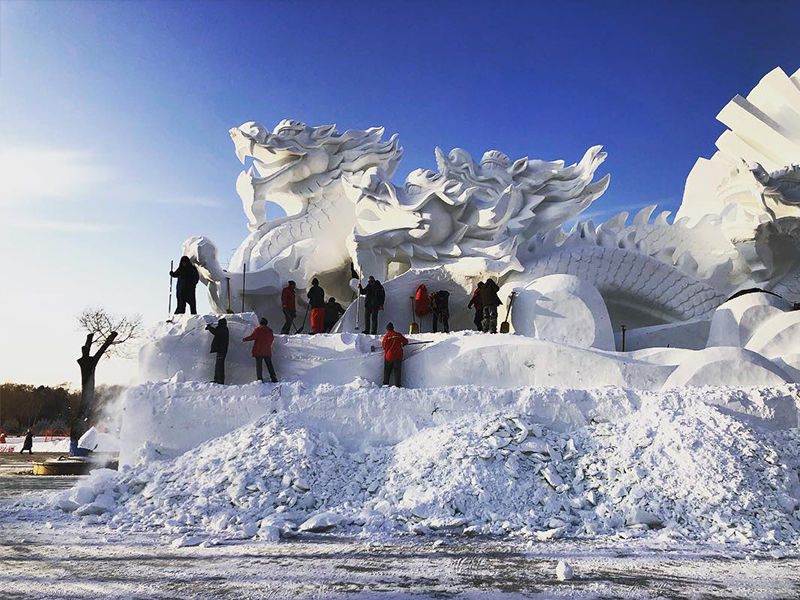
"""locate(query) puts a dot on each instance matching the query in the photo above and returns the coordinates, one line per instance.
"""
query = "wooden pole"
(244, 282)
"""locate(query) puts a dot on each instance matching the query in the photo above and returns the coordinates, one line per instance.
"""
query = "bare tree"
(109, 335)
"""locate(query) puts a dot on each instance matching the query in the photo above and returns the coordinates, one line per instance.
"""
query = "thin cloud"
(65, 227)
(193, 201)
(28, 175)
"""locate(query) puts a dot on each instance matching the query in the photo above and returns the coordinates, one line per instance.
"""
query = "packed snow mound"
(99, 441)
(695, 470)
(735, 321)
(562, 309)
(180, 416)
(180, 351)
(713, 365)
(777, 337)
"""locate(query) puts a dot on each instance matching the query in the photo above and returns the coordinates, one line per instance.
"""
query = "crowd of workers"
(325, 315)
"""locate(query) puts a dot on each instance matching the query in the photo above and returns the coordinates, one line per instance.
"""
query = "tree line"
(48, 407)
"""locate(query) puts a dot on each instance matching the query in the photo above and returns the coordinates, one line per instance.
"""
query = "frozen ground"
(67, 560)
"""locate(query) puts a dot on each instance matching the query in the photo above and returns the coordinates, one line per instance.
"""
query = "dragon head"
(292, 164)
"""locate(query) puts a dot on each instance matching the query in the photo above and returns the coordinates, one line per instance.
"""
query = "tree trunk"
(88, 365)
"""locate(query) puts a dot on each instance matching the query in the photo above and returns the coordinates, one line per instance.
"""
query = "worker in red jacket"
(316, 300)
(393, 343)
(262, 337)
(289, 306)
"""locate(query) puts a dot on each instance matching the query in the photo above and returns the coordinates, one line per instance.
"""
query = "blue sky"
(114, 119)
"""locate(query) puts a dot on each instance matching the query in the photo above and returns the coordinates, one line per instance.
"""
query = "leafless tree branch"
(100, 325)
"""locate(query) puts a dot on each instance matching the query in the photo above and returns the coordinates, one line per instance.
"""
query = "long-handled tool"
(505, 327)
(374, 348)
(171, 266)
(303, 326)
(244, 282)
(358, 301)
(228, 285)
(413, 328)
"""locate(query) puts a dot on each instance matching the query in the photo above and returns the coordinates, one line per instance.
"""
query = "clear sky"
(114, 120)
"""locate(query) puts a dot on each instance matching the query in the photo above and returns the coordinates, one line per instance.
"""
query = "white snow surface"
(180, 350)
(717, 465)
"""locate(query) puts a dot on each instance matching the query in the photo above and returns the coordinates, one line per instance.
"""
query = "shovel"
(505, 327)
(303, 326)
(228, 282)
(374, 348)
(414, 328)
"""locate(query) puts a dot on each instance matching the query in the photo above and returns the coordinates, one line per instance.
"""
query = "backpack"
(422, 304)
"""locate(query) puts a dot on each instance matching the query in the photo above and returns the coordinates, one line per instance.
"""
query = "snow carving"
(503, 218)
(468, 209)
(762, 140)
(562, 309)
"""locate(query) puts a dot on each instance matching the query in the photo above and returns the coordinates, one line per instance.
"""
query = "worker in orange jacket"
(392, 344)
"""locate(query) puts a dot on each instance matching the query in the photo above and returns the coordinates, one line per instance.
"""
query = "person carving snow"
(219, 345)
(262, 337)
(289, 305)
(440, 307)
(333, 310)
(478, 304)
(490, 301)
(392, 344)
(374, 298)
(316, 300)
(187, 277)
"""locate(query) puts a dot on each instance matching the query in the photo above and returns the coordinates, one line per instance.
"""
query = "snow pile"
(180, 416)
(677, 464)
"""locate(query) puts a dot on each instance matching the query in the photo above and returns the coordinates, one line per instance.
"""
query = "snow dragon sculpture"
(494, 217)
(341, 207)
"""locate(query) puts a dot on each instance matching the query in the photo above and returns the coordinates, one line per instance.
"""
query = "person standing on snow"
(392, 344)
(490, 301)
(219, 345)
(333, 310)
(187, 276)
(316, 300)
(374, 298)
(289, 305)
(262, 337)
(440, 307)
(476, 302)
(28, 443)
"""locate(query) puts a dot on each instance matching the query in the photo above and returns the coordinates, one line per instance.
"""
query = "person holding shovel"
(288, 303)
(392, 344)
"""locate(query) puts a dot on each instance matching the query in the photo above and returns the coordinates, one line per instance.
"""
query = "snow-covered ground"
(40, 444)
(63, 560)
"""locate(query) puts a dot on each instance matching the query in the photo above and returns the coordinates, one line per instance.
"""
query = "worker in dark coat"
(374, 297)
(289, 306)
(490, 301)
(219, 345)
(440, 308)
(262, 338)
(27, 444)
(392, 344)
(477, 303)
(316, 300)
(333, 311)
(187, 276)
